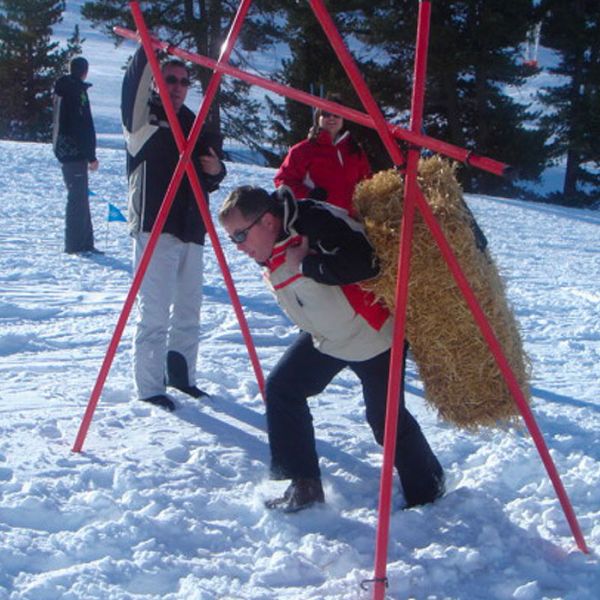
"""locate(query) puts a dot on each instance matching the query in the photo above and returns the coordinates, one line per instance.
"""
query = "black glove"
(318, 194)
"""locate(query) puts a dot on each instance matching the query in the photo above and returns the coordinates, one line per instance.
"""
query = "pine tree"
(572, 30)
(29, 65)
(200, 26)
(313, 67)
(474, 54)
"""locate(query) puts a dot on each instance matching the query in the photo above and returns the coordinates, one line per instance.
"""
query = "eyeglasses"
(240, 236)
(326, 115)
(172, 80)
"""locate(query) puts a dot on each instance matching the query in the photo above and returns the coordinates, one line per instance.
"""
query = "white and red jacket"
(324, 298)
(335, 167)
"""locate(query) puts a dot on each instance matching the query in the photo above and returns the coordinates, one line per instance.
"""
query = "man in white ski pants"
(170, 296)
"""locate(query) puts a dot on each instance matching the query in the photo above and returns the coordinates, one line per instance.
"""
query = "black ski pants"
(302, 372)
(79, 233)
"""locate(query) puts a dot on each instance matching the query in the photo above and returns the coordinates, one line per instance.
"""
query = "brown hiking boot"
(300, 494)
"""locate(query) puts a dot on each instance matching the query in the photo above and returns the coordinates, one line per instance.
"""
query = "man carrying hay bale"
(314, 254)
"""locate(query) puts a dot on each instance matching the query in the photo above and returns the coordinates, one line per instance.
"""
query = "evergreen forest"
(476, 61)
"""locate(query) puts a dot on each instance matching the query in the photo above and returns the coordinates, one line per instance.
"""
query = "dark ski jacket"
(324, 299)
(152, 156)
(73, 133)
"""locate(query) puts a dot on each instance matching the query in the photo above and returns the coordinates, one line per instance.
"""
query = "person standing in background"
(327, 165)
(74, 145)
(168, 326)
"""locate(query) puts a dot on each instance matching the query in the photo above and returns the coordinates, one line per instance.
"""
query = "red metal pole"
(504, 366)
(406, 235)
(401, 296)
(159, 224)
(414, 138)
(125, 311)
(397, 352)
(353, 73)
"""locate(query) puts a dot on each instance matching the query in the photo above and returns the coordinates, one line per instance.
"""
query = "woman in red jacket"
(327, 165)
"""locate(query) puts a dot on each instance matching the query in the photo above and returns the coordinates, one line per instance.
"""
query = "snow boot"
(301, 494)
(434, 494)
(160, 400)
(177, 375)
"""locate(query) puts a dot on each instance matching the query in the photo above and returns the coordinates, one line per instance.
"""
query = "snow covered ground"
(169, 506)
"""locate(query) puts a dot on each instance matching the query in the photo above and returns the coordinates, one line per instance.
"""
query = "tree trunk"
(449, 88)
(574, 150)
(571, 176)
(211, 16)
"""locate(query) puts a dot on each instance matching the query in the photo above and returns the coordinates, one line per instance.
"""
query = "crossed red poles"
(413, 199)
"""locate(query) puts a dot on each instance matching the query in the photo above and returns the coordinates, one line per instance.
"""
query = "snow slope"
(169, 506)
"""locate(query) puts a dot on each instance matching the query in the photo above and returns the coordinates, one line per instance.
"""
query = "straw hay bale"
(459, 372)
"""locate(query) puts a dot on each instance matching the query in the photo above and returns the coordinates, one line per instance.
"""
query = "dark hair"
(175, 62)
(313, 132)
(79, 66)
(251, 201)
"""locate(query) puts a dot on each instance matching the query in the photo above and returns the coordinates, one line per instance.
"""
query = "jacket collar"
(81, 82)
(325, 138)
(289, 207)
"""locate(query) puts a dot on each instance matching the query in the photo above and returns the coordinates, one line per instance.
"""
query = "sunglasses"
(172, 80)
(240, 236)
(326, 115)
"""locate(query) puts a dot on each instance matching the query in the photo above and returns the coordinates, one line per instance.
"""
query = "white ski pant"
(168, 303)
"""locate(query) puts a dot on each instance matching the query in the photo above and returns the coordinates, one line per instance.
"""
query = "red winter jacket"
(334, 167)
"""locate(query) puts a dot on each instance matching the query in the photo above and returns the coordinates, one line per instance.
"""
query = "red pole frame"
(183, 164)
(401, 301)
(412, 194)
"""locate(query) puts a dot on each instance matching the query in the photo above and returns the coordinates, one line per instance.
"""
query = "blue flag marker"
(114, 214)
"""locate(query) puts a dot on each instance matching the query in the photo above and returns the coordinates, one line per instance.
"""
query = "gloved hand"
(318, 194)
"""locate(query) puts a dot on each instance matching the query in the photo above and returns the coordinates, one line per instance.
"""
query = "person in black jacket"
(74, 144)
(168, 326)
(314, 255)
